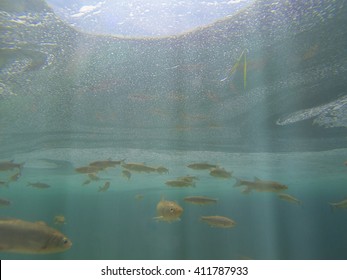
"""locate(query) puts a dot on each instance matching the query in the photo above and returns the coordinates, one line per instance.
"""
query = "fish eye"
(65, 241)
(171, 210)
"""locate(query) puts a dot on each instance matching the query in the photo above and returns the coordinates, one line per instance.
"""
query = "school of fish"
(20, 236)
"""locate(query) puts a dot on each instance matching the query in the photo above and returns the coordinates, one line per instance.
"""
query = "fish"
(220, 173)
(200, 200)
(188, 178)
(162, 170)
(103, 164)
(10, 165)
(4, 203)
(289, 198)
(138, 167)
(105, 187)
(341, 204)
(11, 179)
(86, 182)
(180, 183)
(168, 211)
(218, 221)
(59, 220)
(14, 177)
(260, 186)
(201, 166)
(126, 174)
(19, 236)
(39, 185)
(88, 169)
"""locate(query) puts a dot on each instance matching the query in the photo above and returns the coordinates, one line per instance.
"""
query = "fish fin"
(158, 218)
(42, 223)
(256, 179)
(238, 183)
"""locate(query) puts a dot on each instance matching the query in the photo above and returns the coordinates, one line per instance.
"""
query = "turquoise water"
(68, 99)
(116, 225)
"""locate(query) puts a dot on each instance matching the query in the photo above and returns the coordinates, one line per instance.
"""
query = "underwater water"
(261, 94)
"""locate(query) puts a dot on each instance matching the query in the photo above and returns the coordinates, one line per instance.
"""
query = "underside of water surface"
(260, 95)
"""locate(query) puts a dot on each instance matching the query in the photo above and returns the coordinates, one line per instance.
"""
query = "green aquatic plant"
(237, 64)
